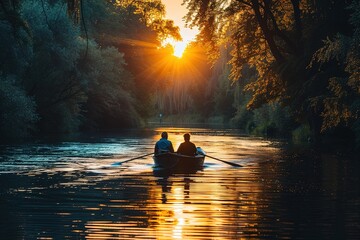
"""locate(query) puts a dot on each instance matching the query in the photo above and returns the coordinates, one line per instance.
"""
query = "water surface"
(76, 189)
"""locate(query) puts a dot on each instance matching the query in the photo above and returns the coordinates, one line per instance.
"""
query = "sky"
(175, 11)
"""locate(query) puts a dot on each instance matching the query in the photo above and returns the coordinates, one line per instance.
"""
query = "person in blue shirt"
(163, 145)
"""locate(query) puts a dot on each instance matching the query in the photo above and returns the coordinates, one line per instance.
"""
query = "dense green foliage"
(18, 110)
(60, 76)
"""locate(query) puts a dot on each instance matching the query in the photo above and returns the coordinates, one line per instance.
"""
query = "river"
(76, 189)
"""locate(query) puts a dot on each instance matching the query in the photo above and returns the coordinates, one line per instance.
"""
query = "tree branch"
(266, 31)
(277, 31)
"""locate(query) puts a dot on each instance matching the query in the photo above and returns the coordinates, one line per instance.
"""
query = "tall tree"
(339, 61)
(135, 28)
(278, 38)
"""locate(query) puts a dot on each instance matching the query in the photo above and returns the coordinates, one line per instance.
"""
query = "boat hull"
(179, 162)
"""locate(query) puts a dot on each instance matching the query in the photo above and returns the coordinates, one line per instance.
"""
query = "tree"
(52, 76)
(342, 53)
(17, 110)
(110, 100)
(278, 38)
(135, 28)
(152, 13)
(65, 79)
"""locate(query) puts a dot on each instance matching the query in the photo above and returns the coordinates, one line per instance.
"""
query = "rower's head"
(164, 135)
(187, 137)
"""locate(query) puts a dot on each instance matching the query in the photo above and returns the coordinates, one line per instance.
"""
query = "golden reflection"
(196, 207)
(216, 203)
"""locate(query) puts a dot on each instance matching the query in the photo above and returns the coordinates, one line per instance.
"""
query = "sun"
(188, 36)
(179, 48)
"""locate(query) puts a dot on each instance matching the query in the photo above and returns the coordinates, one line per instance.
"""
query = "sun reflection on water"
(133, 201)
(183, 207)
(215, 203)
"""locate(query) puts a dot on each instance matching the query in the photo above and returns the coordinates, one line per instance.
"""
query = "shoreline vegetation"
(294, 72)
(341, 143)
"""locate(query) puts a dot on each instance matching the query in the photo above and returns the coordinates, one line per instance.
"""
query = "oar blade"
(230, 163)
(132, 159)
(234, 164)
(116, 164)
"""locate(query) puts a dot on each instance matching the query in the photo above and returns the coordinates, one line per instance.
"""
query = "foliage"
(110, 102)
(71, 84)
(17, 110)
(52, 76)
(339, 105)
(224, 93)
(301, 134)
(152, 13)
(342, 103)
(15, 48)
(231, 102)
(9, 13)
(272, 120)
(56, 80)
(136, 29)
(94, 87)
(278, 39)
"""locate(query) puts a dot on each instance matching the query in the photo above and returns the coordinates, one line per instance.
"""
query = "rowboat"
(178, 162)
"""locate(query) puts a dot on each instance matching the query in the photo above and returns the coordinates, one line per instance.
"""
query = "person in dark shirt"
(163, 145)
(187, 147)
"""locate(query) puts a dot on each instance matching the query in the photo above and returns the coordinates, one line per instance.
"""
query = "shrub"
(17, 111)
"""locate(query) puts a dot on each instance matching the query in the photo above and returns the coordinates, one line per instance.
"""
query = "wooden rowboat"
(179, 162)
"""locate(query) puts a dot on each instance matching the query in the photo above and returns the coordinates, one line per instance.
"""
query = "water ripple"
(73, 190)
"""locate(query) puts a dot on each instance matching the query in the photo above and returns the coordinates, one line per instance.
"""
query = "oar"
(131, 159)
(230, 163)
